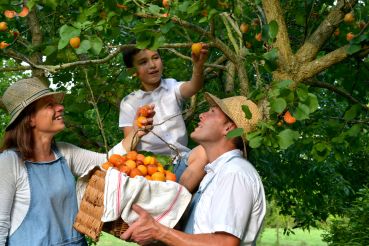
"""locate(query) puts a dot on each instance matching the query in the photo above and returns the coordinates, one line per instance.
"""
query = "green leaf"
(287, 137)
(62, 43)
(68, 32)
(247, 111)
(278, 105)
(352, 112)
(312, 101)
(353, 49)
(271, 55)
(273, 29)
(167, 27)
(302, 112)
(154, 9)
(255, 142)
(96, 44)
(235, 133)
(50, 49)
(84, 47)
(354, 131)
(321, 151)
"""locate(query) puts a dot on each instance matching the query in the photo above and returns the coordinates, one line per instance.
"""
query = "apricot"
(151, 169)
(130, 163)
(196, 48)
(288, 118)
(140, 121)
(170, 176)
(3, 45)
(244, 27)
(135, 172)
(350, 36)
(149, 160)
(349, 18)
(3, 26)
(259, 37)
(124, 169)
(165, 3)
(116, 160)
(75, 42)
(144, 110)
(10, 14)
(106, 165)
(132, 155)
(24, 12)
(158, 176)
(143, 169)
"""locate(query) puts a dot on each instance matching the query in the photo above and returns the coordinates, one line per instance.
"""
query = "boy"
(168, 96)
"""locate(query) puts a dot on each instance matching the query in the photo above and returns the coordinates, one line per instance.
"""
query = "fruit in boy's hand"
(140, 121)
(288, 118)
(3, 26)
(144, 110)
(75, 42)
(196, 48)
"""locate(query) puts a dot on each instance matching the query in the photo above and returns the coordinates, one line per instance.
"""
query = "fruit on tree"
(349, 18)
(350, 36)
(10, 14)
(3, 45)
(288, 118)
(24, 12)
(244, 27)
(259, 37)
(3, 26)
(165, 3)
(75, 42)
(337, 32)
(196, 48)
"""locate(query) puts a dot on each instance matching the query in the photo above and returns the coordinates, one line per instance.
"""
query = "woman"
(37, 187)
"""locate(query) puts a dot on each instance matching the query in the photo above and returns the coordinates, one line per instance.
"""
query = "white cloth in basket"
(165, 201)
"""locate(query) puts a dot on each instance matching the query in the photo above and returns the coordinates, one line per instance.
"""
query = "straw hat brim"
(59, 96)
(216, 102)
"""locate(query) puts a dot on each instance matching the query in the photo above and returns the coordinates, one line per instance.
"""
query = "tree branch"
(339, 91)
(312, 68)
(324, 31)
(273, 11)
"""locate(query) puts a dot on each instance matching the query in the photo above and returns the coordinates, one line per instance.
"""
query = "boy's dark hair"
(128, 54)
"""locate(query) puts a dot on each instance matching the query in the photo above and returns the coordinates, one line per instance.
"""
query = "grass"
(268, 238)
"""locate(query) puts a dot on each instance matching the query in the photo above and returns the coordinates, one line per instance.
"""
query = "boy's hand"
(143, 122)
(199, 56)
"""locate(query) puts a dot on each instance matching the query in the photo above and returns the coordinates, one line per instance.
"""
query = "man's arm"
(190, 88)
(146, 229)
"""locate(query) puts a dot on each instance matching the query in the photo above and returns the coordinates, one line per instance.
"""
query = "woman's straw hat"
(22, 93)
(232, 107)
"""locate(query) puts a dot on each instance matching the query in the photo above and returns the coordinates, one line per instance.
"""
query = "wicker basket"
(88, 219)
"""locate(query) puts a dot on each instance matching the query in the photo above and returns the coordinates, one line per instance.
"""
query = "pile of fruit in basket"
(141, 164)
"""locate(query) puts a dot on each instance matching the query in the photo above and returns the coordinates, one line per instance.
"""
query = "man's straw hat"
(22, 93)
(232, 107)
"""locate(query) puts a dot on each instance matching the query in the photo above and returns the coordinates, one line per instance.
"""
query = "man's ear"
(230, 126)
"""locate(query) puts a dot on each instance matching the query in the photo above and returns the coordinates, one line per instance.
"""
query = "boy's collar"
(162, 84)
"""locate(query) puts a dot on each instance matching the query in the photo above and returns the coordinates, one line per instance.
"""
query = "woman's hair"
(19, 134)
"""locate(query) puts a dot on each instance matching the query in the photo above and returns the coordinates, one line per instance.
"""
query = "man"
(230, 205)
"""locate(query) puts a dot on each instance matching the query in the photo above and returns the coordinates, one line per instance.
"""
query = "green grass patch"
(268, 238)
(300, 238)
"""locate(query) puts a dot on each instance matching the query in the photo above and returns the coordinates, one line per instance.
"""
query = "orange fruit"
(196, 48)
(166, 3)
(144, 110)
(130, 163)
(3, 45)
(170, 176)
(148, 177)
(140, 121)
(151, 169)
(106, 165)
(124, 169)
(24, 12)
(3, 26)
(75, 42)
(259, 37)
(337, 32)
(132, 155)
(350, 36)
(116, 160)
(149, 160)
(143, 169)
(135, 172)
(349, 17)
(140, 157)
(158, 176)
(244, 27)
(161, 169)
(165, 15)
(288, 118)
(10, 13)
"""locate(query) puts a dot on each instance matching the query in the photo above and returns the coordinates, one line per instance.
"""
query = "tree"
(294, 57)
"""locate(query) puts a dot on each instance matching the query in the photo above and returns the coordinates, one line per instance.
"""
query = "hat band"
(28, 101)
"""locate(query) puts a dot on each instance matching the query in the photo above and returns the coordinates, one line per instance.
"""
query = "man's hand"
(145, 229)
